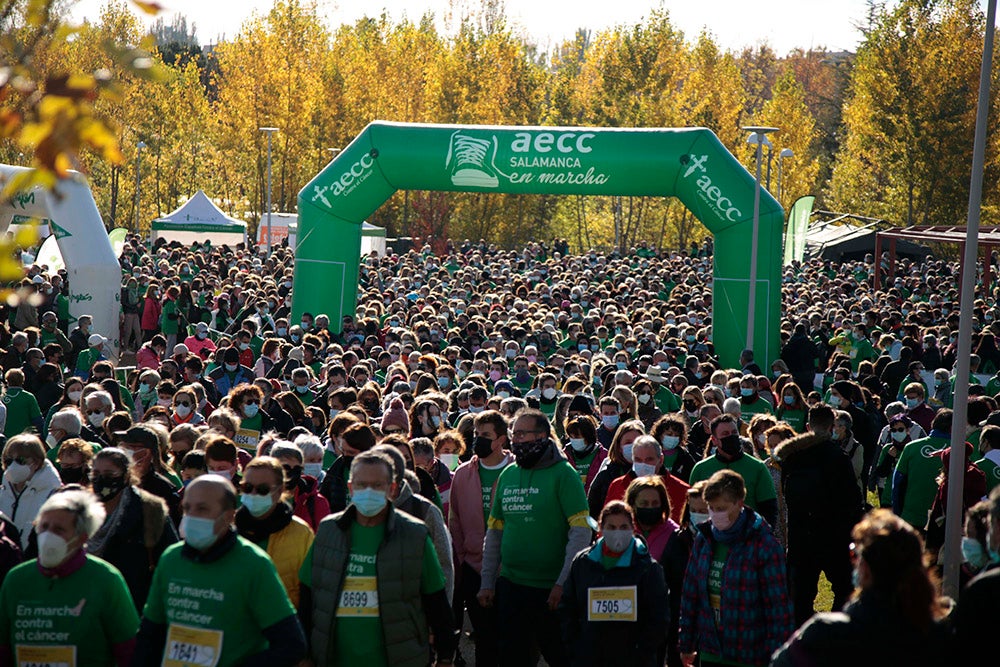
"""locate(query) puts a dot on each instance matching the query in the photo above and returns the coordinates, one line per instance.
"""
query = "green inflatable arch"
(690, 164)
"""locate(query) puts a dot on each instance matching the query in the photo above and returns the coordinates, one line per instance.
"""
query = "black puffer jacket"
(821, 494)
(615, 642)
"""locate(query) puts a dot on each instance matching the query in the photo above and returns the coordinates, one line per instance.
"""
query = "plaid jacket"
(756, 611)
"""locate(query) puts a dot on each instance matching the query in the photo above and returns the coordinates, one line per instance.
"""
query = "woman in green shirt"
(792, 407)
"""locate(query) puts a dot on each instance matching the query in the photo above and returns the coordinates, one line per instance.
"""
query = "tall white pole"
(956, 468)
(752, 303)
(269, 131)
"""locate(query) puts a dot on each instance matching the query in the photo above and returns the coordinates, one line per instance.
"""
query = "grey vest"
(399, 566)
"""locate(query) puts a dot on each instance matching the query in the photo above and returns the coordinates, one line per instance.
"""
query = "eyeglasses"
(518, 435)
(23, 460)
(256, 489)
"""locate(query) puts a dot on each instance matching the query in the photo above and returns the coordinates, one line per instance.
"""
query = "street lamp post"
(138, 181)
(269, 131)
(785, 152)
(758, 136)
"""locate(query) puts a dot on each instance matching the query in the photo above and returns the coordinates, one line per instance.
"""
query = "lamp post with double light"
(758, 136)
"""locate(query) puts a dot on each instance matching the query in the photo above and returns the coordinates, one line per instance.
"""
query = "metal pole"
(770, 156)
(138, 181)
(752, 305)
(268, 194)
(956, 468)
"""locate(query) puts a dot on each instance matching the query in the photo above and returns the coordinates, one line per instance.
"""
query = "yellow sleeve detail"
(579, 520)
(494, 524)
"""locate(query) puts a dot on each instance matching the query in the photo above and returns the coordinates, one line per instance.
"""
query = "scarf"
(735, 531)
(99, 542)
(257, 530)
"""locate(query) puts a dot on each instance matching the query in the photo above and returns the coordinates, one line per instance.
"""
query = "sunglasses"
(23, 460)
(256, 489)
(250, 403)
(95, 412)
(899, 430)
(186, 404)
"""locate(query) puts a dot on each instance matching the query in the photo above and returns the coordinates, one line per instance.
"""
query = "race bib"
(612, 604)
(247, 439)
(46, 656)
(359, 598)
(190, 647)
(854, 353)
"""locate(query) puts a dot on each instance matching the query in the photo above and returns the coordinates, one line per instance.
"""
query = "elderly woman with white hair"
(67, 607)
(29, 478)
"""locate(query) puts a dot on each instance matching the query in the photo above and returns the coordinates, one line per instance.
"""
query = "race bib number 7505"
(612, 604)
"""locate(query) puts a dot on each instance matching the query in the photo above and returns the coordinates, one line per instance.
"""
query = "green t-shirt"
(22, 409)
(359, 625)
(756, 476)
(535, 509)
(921, 467)
(488, 477)
(582, 465)
(329, 456)
(219, 607)
(759, 406)
(548, 409)
(666, 400)
(720, 552)
(73, 620)
(248, 434)
(794, 418)
(992, 472)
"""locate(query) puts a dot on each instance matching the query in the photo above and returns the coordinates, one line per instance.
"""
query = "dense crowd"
(543, 442)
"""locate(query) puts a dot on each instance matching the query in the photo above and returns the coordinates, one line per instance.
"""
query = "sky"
(783, 24)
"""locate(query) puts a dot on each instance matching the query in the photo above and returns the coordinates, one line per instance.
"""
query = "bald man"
(216, 598)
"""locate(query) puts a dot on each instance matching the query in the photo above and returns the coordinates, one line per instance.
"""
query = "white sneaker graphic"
(467, 157)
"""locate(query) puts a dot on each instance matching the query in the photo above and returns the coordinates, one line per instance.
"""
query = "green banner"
(797, 228)
(690, 164)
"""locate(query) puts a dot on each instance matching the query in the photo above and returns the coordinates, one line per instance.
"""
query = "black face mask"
(527, 454)
(649, 516)
(73, 475)
(730, 445)
(107, 488)
(482, 447)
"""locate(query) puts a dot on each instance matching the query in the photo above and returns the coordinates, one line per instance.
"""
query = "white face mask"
(617, 540)
(96, 419)
(74, 395)
(699, 517)
(183, 411)
(52, 549)
(549, 393)
(17, 473)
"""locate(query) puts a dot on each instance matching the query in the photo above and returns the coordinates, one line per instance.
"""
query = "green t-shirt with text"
(535, 509)
(217, 608)
(359, 638)
(921, 467)
(72, 620)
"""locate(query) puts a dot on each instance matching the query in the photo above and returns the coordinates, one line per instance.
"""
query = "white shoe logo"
(471, 161)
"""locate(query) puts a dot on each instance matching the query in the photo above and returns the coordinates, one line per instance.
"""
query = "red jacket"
(310, 505)
(151, 309)
(146, 357)
(465, 513)
(676, 491)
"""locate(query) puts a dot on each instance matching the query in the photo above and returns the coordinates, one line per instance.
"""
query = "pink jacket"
(657, 540)
(203, 348)
(465, 514)
(151, 310)
(146, 357)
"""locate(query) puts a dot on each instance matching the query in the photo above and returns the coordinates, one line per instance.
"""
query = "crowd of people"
(542, 443)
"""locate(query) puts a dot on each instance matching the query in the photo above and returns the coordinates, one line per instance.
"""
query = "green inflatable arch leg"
(690, 164)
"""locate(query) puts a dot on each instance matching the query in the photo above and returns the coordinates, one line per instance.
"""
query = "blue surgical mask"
(746, 392)
(444, 381)
(369, 501)
(251, 410)
(282, 331)
(257, 505)
(912, 403)
(789, 400)
(232, 367)
(302, 388)
(627, 452)
(199, 533)
(578, 444)
(973, 553)
(610, 421)
(643, 469)
(670, 442)
(698, 517)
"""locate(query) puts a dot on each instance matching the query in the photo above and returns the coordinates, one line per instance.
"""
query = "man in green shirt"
(22, 408)
(729, 454)
(67, 608)
(216, 599)
(372, 588)
(537, 525)
(914, 483)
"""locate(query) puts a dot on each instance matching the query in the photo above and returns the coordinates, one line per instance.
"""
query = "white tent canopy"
(372, 237)
(198, 220)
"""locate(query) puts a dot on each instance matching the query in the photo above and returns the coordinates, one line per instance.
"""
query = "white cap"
(96, 339)
(37, 280)
(180, 348)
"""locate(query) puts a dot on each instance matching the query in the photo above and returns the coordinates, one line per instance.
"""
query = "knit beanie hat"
(395, 417)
